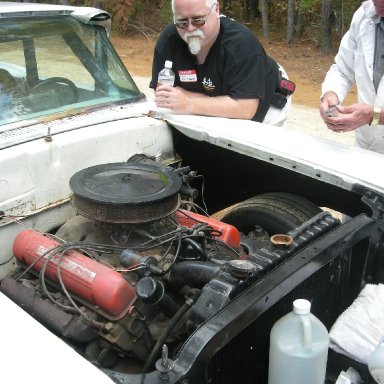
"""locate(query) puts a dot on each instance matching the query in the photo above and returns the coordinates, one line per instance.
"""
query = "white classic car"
(140, 246)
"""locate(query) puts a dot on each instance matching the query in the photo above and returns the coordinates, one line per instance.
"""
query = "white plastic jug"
(298, 347)
(376, 362)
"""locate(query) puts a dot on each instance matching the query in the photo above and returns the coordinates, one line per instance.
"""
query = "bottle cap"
(301, 306)
(168, 64)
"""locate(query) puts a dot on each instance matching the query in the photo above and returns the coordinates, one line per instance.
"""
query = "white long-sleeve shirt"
(354, 63)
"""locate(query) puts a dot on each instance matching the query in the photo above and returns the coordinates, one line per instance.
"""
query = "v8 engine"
(141, 264)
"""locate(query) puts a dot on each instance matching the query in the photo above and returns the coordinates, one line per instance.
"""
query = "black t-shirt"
(236, 65)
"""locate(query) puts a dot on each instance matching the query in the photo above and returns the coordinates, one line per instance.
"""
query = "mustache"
(196, 33)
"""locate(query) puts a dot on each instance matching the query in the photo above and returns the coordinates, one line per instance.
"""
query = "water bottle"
(376, 362)
(166, 75)
(298, 348)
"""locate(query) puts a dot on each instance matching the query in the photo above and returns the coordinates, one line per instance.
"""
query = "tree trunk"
(325, 26)
(264, 17)
(245, 8)
(290, 21)
(255, 8)
(299, 19)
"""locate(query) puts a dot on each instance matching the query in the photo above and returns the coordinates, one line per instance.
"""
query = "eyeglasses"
(197, 22)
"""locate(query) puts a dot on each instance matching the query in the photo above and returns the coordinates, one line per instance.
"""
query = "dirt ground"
(305, 65)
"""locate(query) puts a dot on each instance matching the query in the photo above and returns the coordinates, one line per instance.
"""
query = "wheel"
(56, 83)
(274, 212)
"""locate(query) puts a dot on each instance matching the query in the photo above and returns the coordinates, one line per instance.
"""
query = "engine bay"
(141, 266)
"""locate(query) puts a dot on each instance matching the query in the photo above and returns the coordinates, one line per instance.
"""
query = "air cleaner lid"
(125, 183)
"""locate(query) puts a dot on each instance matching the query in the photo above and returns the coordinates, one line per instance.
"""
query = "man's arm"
(182, 101)
(341, 75)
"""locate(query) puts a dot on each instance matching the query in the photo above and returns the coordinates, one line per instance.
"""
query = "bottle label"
(166, 80)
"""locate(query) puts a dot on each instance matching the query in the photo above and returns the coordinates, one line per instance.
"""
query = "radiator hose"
(193, 273)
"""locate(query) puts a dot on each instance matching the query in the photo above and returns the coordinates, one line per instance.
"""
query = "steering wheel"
(7, 81)
(48, 83)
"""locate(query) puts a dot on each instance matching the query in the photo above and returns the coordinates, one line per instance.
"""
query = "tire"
(274, 212)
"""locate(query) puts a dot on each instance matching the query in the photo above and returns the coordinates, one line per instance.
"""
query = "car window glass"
(67, 63)
(58, 65)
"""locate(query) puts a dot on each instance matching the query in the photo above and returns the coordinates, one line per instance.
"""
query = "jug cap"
(301, 306)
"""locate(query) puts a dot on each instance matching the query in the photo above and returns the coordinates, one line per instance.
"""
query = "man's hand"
(182, 101)
(344, 119)
(328, 104)
(173, 98)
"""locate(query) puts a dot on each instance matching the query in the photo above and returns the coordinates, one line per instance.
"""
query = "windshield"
(57, 65)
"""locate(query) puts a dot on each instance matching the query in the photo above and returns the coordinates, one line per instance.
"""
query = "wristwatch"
(376, 116)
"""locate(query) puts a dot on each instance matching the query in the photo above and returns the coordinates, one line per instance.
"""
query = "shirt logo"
(188, 76)
(208, 85)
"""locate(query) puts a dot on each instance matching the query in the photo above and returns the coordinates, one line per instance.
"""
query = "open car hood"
(338, 164)
(86, 15)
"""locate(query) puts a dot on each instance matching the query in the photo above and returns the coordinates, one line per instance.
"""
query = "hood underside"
(334, 163)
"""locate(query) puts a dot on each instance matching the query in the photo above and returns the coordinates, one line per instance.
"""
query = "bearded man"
(220, 66)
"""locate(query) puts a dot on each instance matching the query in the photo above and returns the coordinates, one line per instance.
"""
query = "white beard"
(194, 44)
